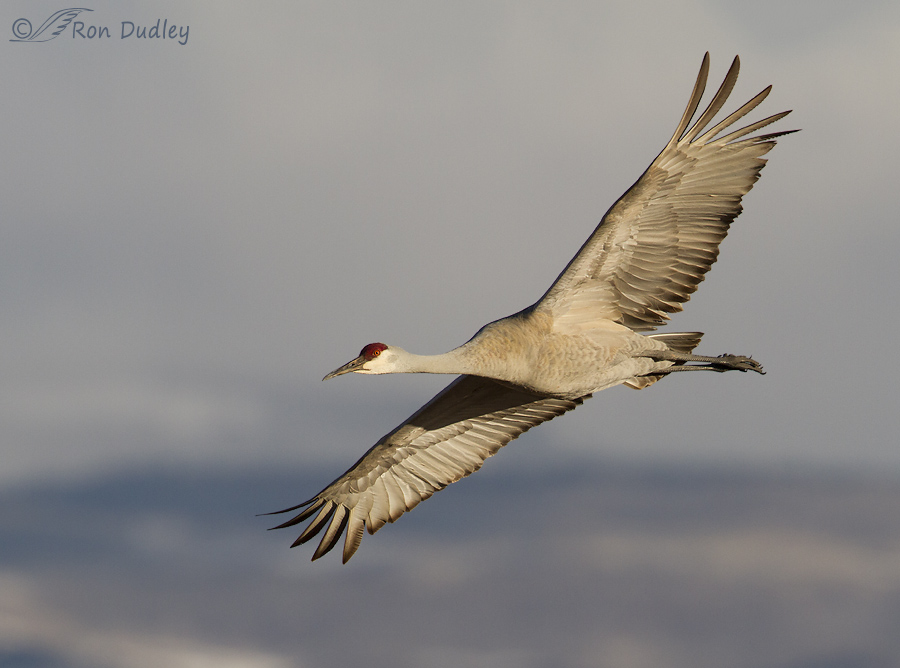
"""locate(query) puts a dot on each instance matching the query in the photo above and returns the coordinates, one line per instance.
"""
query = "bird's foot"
(737, 363)
(690, 362)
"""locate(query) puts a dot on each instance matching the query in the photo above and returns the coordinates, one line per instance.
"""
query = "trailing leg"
(691, 362)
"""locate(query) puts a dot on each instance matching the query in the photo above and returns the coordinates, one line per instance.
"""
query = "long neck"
(456, 362)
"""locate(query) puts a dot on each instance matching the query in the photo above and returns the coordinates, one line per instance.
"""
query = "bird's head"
(373, 358)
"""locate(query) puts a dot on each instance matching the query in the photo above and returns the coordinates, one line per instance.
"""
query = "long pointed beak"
(352, 365)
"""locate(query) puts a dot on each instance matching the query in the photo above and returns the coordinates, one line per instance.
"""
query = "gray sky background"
(194, 235)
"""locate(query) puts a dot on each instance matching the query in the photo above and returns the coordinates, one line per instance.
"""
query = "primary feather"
(656, 243)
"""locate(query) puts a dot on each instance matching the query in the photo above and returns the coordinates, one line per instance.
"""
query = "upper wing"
(655, 244)
(445, 440)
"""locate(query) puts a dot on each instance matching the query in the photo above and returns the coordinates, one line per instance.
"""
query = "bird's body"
(587, 332)
(525, 350)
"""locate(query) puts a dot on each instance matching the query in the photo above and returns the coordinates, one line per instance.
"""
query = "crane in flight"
(585, 334)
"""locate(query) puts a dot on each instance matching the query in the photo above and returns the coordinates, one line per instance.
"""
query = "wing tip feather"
(287, 510)
(300, 517)
(335, 529)
(693, 101)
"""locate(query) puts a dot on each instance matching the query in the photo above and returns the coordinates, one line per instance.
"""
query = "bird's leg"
(704, 363)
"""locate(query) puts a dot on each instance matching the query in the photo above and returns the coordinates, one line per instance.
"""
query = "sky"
(581, 567)
(194, 234)
(196, 230)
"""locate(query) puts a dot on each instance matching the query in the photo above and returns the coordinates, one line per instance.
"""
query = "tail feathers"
(680, 342)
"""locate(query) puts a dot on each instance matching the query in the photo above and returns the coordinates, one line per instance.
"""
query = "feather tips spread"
(446, 440)
(657, 242)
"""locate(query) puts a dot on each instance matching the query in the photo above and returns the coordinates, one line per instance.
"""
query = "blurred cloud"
(581, 565)
(39, 634)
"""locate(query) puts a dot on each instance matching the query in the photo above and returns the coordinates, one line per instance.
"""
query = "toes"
(742, 363)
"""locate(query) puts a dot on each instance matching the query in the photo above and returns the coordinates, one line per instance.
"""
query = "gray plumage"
(644, 260)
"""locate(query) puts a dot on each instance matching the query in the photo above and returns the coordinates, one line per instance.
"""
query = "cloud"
(537, 567)
(28, 627)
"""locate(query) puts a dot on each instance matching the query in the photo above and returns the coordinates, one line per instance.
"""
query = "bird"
(588, 332)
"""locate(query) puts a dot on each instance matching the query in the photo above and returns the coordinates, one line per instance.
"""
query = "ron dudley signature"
(61, 21)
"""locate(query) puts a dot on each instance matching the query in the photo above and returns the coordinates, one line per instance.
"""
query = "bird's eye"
(372, 350)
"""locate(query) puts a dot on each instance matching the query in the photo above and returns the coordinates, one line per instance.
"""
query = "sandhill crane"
(643, 261)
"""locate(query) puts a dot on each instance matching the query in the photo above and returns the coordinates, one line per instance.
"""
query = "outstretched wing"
(445, 440)
(654, 246)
